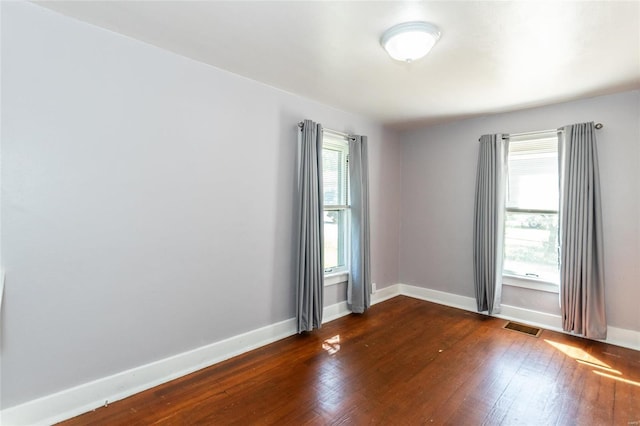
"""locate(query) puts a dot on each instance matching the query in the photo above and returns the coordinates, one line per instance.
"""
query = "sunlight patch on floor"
(620, 379)
(588, 364)
(577, 354)
(332, 345)
(589, 360)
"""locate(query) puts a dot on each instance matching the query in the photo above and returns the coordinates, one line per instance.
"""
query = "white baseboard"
(534, 318)
(623, 337)
(335, 311)
(385, 293)
(341, 309)
(86, 397)
(440, 297)
(615, 336)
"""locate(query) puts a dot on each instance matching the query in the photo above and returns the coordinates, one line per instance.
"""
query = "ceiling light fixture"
(410, 40)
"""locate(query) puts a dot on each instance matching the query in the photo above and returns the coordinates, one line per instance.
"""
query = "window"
(531, 217)
(335, 179)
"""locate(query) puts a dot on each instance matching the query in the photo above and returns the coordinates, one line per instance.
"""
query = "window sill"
(530, 283)
(334, 278)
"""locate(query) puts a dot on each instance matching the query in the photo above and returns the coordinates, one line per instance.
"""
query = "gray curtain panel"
(488, 226)
(581, 242)
(310, 270)
(359, 286)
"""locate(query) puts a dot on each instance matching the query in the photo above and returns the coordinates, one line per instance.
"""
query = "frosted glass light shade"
(410, 41)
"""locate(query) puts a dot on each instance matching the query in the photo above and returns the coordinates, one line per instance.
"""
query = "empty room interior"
(239, 212)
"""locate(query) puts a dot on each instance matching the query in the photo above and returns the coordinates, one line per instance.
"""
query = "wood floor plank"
(403, 362)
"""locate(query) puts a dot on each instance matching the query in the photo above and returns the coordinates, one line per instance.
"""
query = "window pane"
(334, 237)
(531, 245)
(333, 169)
(533, 175)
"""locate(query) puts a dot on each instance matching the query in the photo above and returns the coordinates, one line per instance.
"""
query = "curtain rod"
(539, 132)
(597, 126)
(333, 132)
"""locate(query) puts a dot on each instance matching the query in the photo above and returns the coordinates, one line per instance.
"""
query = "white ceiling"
(492, 56)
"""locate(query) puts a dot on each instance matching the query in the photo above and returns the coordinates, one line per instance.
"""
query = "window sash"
(336, 233)
(531, 222)
(340, 181)
(531, 246)
(336, 246)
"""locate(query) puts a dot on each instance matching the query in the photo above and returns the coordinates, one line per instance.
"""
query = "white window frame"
(339, 274)
(522, 281)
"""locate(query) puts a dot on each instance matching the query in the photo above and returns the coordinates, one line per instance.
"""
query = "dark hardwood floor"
(404, 362)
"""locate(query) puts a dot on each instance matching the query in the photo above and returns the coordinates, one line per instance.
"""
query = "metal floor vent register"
(526, 329)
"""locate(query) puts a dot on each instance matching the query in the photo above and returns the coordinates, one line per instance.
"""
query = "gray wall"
(147, 202)
(438, 179)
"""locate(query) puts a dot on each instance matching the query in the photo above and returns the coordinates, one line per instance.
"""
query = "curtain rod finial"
(598, 126)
